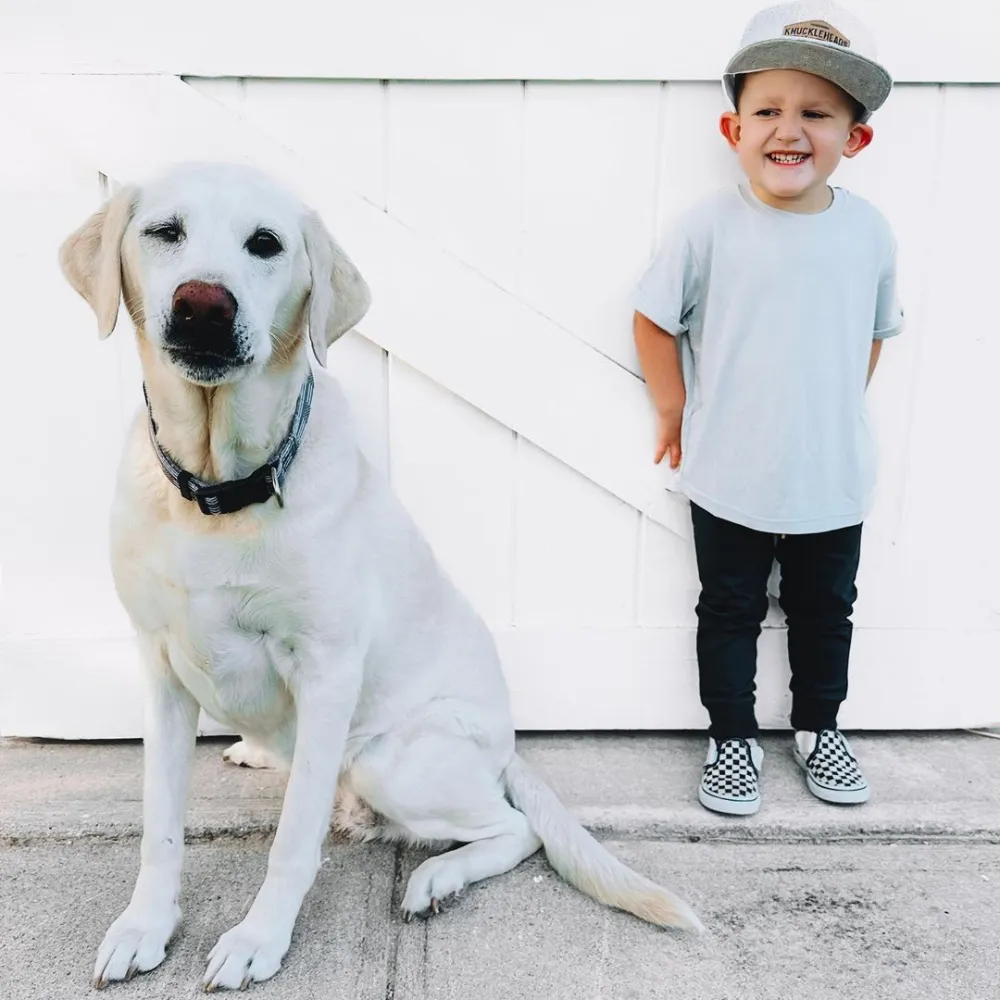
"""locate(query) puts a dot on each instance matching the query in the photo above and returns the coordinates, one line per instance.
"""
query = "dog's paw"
(249, 953)
(248, 755)
(434, 881)
(136, 942)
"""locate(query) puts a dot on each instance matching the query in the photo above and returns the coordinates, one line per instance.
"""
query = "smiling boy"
(758, 325)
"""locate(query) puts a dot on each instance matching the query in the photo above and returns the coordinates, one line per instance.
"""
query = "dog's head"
(220, 270)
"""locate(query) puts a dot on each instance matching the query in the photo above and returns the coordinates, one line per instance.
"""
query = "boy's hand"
(668, 437)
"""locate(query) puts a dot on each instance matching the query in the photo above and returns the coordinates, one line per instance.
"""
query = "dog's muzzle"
(201, 332)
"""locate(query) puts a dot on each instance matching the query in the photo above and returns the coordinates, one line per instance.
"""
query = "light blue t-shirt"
(776, 312)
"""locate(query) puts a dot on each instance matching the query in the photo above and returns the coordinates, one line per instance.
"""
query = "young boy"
(758, 325)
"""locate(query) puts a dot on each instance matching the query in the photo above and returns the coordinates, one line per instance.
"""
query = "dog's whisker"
(284, 343)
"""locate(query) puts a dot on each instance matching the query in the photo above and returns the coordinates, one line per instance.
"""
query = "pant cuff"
(814, 714)
(732, 722)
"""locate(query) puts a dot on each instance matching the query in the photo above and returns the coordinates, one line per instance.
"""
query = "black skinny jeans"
(817, 595)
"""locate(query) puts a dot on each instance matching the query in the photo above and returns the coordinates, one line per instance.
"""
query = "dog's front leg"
(137, 940)
(324, 703)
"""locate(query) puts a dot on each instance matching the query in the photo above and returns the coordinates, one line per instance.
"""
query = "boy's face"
(789, 132)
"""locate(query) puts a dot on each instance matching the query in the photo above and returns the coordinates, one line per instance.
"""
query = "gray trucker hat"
(818, 37)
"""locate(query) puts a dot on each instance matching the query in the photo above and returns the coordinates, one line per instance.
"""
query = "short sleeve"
(888, 312)
(668, 291)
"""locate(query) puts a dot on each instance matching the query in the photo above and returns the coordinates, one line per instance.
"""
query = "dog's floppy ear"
(91, 258)
(339, 296)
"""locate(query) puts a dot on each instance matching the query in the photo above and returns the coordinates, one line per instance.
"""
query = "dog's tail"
(583, 862)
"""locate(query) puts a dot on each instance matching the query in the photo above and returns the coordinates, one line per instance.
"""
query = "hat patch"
(819, 31)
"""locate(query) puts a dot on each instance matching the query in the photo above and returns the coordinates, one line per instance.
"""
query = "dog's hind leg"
(440, 787)
(446, 874)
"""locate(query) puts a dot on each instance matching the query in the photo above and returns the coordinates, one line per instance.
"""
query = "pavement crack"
(395, 924)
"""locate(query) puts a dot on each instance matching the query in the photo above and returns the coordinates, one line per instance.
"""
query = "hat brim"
(864, 79)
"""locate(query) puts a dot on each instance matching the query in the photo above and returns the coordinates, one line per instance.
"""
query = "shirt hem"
(808, 526)
(645, 306)
(891, 331)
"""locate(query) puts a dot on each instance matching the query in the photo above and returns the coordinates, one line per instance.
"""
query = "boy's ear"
(729, 126)
(861, 136)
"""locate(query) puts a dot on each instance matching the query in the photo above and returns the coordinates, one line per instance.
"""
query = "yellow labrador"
(275, 580)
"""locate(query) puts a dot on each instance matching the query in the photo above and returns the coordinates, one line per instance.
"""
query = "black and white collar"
(259, 486)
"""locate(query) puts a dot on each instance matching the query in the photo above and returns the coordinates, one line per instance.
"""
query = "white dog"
(294, 599)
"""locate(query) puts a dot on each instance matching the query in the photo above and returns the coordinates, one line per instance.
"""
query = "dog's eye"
(264, 244)
(167, 232)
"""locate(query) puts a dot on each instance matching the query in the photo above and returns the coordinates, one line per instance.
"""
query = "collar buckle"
(276, 486)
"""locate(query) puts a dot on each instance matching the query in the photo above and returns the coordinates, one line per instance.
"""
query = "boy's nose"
(788, 131)
(788, 128)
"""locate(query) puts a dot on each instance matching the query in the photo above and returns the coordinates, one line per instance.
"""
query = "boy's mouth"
(788, 159)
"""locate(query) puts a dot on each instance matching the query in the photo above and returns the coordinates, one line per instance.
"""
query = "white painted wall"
(499, 393)
(460, 39)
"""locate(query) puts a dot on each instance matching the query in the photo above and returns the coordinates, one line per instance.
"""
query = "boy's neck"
(807, 203)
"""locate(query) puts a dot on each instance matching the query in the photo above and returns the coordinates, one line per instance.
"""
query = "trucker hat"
(818, 37)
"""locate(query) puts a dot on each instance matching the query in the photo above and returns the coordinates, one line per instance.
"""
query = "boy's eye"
(771, 112)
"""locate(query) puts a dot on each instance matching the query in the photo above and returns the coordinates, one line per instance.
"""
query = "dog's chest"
(232, 615)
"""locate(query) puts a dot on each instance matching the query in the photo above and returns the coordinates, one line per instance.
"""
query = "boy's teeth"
(788, 158)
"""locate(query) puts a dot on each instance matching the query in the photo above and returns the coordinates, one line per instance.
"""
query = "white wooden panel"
(60, 460)
(633, 678)
(589, 192)
(949, 519)
(342, 125)
(454, 166)
(454, 39)
(360, 367)
(75, 688)
(647, 678)
(79, 687)
(693, 159)
(512, 362)
(576, 547)
(923, 678)
(668, 577)
(452, 467)
(568, 678)
(228, 93)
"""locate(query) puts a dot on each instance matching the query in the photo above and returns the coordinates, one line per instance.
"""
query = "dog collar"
(259, 486)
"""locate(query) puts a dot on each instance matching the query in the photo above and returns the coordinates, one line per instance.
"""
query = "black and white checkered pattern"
(732, 775)
(832, 766)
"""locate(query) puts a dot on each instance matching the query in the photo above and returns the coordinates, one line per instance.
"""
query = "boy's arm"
(888, 312)
(659, 357)
(873, 357)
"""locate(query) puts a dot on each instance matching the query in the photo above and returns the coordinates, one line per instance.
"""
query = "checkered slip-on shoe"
(729, 778)
(832, 772)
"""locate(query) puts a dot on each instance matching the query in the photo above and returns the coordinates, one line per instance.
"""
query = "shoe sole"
(837, 796)
(730, 807)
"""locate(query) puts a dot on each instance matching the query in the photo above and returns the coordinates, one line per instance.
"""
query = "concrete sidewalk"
(899, 898)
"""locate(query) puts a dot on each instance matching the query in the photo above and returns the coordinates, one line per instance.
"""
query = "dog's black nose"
(198, 304)
(201, 332)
